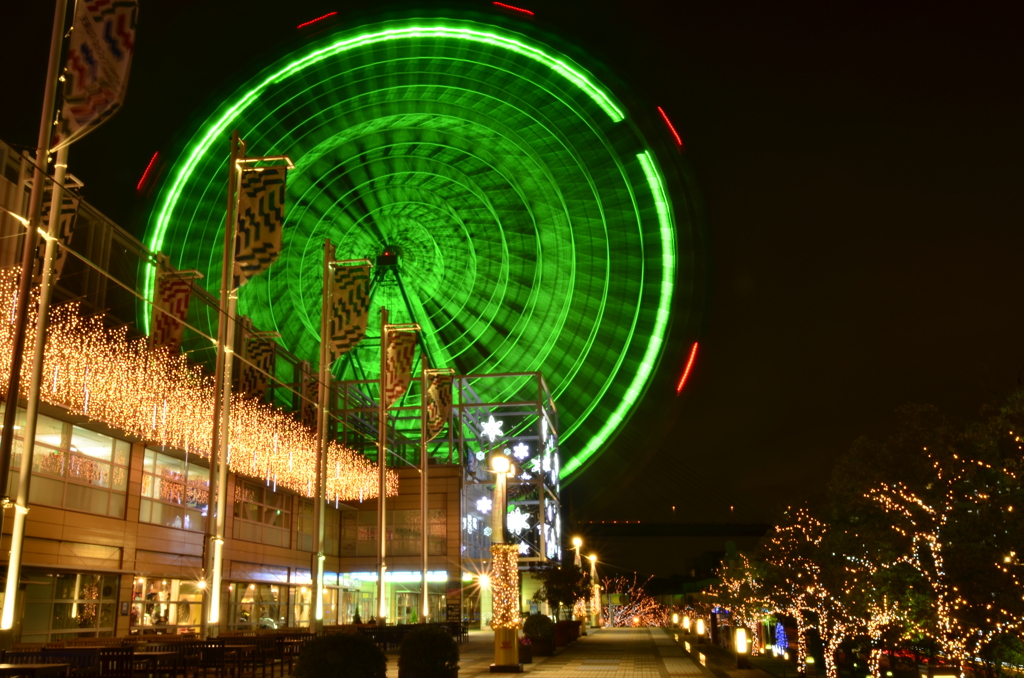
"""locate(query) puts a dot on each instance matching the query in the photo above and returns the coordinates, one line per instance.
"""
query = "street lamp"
(742, 647)
(576, 544)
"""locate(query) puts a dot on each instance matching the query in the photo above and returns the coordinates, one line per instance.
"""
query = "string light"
(160, 398)
(505, 586)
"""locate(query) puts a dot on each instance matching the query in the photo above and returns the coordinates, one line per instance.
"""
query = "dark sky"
(860, 169)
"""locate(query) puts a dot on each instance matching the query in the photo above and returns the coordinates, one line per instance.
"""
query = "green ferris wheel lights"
(221, 125)
(658, 336)
(533, 221)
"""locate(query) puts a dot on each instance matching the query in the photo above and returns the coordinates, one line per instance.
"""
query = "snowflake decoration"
(525, 476)
(480, 455)
(521, 451)
(546, 464)
(483, 505)
(487, 532)
(518, 521)
(491, 428)
(524, 548)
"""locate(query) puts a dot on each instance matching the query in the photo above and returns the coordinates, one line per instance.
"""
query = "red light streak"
(145, 174)
(671, 128)
(514, 9)
(689, 366)
(319, 18)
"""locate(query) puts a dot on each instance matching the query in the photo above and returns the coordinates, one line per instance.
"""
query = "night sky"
(860, 171)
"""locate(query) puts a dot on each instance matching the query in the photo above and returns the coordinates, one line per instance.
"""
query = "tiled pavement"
(605, 653)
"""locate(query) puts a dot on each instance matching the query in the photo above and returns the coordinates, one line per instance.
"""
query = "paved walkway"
(606, 653)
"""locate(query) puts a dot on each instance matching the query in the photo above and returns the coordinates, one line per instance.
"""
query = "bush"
(341, 656)
(427, 649)
(539, 627)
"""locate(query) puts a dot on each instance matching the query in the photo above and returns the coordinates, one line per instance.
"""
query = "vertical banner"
(170, 308)
(439, 403)
(261, 358)
(398, 369)
(96, 71)
(310, 393)
(68, 218)
(260, 220)
(350, 305)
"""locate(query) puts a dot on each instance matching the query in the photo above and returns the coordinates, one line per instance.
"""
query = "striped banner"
(261, 358)
(350, 305)
(398, 368)
(439, 403)
(310, 396)
(96, 71)
(260, 219)
(170, 308)
(68, 219)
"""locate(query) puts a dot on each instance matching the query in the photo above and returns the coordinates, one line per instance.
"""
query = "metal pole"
(36, 378)
(222, 383)
(424, 466)
(319, 509)
(382, 463)
(35, 206)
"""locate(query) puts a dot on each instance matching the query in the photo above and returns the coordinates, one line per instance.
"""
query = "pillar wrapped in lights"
(505, 596)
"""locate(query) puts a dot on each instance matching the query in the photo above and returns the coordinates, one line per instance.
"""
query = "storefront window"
(73, 468)
(68, 606)
(262, 515)
(175, 492)
(258, 606)
(166, 605)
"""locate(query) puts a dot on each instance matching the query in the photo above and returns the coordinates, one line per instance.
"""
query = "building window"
(258, 606)
(306, 525)
(359, 533)
(68, 606)
(174, 493)
(73, 468)
(166, 605)
(261, 515)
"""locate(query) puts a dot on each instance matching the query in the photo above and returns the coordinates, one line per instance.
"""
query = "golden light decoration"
(505, 586)
(160, 398)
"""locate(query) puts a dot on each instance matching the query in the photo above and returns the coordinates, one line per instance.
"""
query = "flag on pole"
(350, 305)
(68, 218)
(439, 403)
(170, 308)
(310, 396)
(96, 72)
(261, 358)
(260, 219)
(398, 368)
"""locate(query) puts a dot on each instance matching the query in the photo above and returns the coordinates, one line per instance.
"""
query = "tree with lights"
(641, 610)
(562, 585)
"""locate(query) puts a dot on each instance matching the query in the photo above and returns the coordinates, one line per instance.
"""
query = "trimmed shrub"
(428, 650)
(341, 656)
(539, 627)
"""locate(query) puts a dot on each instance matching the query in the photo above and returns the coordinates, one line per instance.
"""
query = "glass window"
(258, 606)
(307, 525)
(359, 532)
(73, 468)
(175, 492)
(167, 605)
(68, 606)
(261, 515)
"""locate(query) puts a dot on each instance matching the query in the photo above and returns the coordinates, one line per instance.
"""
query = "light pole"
(576, 544)
(595, 599)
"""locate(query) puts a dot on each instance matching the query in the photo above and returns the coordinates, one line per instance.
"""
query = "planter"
(525, 654)
(542, 647)
(440, 673)
(561, 635)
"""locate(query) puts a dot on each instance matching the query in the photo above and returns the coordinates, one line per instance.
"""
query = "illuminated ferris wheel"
(523, 203)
